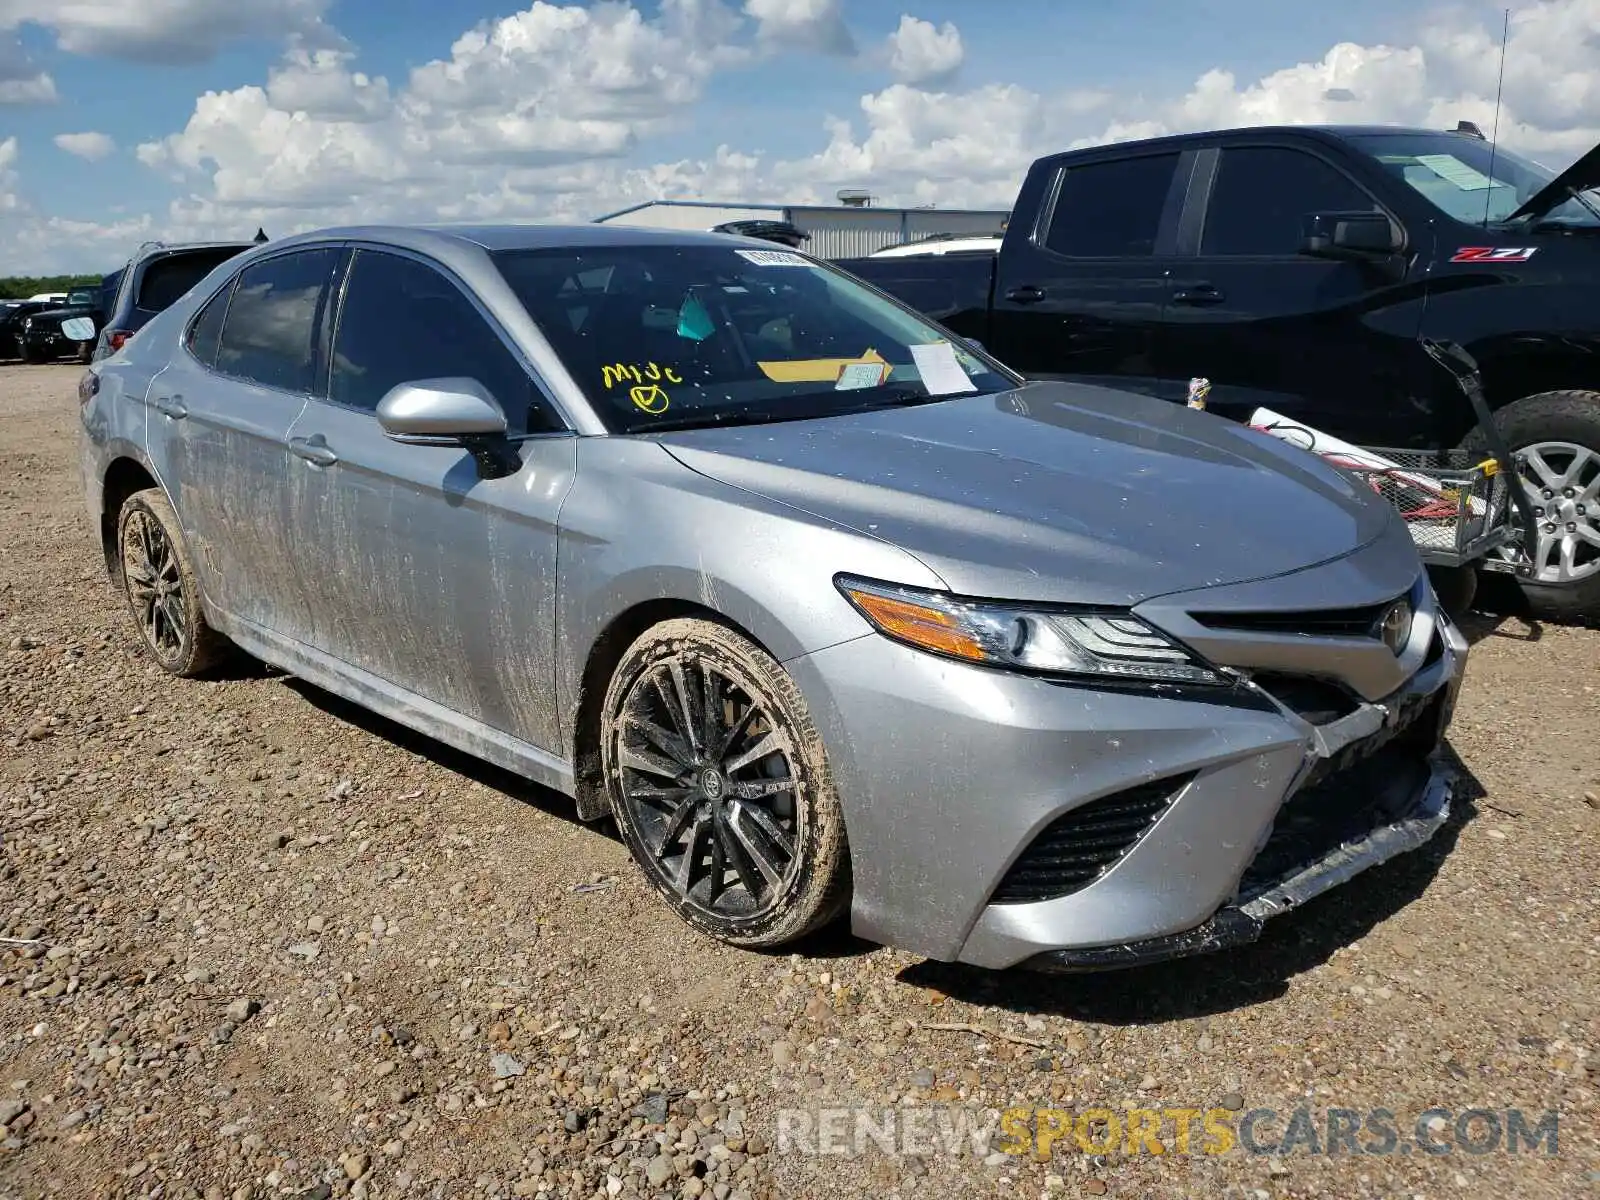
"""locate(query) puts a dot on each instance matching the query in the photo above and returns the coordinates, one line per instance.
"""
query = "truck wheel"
(1556, 438)
(32, 355)
(1456, 588)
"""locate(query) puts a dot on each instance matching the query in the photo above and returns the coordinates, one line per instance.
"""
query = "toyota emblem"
(1395, 628)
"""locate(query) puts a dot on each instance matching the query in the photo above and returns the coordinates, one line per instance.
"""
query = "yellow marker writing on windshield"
(614, 373)
(649, 397)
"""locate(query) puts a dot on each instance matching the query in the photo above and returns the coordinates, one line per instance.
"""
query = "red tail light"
(117, 338)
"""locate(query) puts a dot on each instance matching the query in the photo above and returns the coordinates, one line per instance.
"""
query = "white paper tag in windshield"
(940, 369)
(772, 258)
(861, 375)
(1451, 168)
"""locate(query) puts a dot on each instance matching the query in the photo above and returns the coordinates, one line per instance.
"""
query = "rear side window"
(167, 278)
(402, 321)
(1263, 195)
(1112, 209)
(206, 332)
(270, 333)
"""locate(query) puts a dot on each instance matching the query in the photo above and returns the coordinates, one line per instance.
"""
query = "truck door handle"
(1026, 294)
(1198, 293)
(170, 406)
(315, 450)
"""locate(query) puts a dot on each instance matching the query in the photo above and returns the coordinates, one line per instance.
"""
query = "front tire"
(720, 786)
(1555, 437)
(158, 581)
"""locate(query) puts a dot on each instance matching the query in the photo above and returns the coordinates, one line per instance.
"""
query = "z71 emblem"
(1494, 254)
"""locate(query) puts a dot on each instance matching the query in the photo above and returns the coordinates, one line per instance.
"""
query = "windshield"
(75, 298)
(675, 336)
(1453, 172)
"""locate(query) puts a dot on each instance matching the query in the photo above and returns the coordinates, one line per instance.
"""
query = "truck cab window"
(1111, 209)
(1263, 195)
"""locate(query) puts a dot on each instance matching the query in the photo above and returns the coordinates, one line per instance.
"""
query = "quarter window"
(1263, 194)
(206, 332)
(270, 335)
(1112, 209)
(403, 321)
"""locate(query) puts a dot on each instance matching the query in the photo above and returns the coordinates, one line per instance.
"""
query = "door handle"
(1026, 294)
(1198, 293)
(315, 450)
(170, 406)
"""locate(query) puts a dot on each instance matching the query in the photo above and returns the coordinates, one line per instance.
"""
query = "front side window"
(671, 336)
(1456, 175)
(1111, 209)
(1263, 194)
(270, 335)
(403, 321)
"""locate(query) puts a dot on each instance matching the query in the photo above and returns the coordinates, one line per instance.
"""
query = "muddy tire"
(1557, 435)
(158, 580)
(721, 788)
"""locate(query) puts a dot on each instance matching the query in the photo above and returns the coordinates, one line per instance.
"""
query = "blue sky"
(1030, 76)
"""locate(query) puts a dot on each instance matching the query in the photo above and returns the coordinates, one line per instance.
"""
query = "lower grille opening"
(1371, 783)
(1318, 701)
(1074, 850)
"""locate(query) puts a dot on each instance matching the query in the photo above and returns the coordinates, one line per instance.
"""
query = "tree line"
(20, 287)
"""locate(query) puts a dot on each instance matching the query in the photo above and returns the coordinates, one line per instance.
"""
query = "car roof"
(516, 236)
(1322, 132)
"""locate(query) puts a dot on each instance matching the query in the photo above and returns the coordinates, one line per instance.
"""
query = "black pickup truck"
(1297, 269)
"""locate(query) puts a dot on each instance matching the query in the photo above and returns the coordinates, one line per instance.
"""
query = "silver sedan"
(827, 609)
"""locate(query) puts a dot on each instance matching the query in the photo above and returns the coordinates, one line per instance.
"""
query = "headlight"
(1100, 644)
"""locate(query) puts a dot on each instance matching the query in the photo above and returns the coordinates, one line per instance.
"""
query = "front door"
(219, 416)
(1329, 343)
(419, 572)
(1083, 298)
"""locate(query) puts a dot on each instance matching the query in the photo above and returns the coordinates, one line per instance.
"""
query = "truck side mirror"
(1358, 235)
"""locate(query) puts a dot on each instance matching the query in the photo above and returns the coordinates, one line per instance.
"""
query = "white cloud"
(91, 146)
(802, 24)
(164, 31)
(920, 53)
(9, 200)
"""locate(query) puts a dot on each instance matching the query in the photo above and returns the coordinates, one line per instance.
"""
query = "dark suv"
(156, 275)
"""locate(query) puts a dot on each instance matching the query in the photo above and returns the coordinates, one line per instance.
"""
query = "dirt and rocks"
(255, 943)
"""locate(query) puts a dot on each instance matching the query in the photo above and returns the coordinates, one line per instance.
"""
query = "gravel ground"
(257, 943)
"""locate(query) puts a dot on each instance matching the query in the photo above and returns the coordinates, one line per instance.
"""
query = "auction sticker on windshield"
(773, 258)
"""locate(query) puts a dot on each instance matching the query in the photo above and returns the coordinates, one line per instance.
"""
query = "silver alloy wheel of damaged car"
(159, 582)
(720, 785)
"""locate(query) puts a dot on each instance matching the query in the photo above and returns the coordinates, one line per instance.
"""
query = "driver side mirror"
(1353, 235)
(450, 412)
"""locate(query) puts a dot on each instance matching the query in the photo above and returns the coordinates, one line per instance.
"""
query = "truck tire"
(1456, 588)
(31, 355)
(1557, 437)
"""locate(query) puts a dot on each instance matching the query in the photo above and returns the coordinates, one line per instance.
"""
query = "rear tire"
(1557, 437)
(158, 581)
(721, 788)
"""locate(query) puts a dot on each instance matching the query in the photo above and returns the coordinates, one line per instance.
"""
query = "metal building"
(837, 230)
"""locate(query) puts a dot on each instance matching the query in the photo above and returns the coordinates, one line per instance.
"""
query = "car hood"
(1580, 176)
(1056, 492)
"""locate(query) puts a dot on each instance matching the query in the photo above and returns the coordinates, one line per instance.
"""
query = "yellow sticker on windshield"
(613, 374)
(815, 370)
(649, 397)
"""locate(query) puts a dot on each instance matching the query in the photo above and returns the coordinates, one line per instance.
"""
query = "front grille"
(1076, 849)
(1368, 784)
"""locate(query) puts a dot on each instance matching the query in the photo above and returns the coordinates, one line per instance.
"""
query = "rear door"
(1330, 343)
(1081, 297)
(219, 418)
